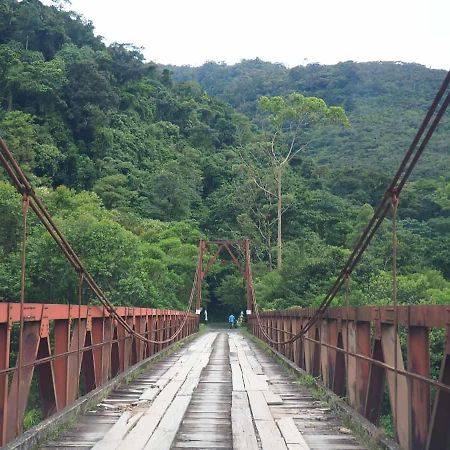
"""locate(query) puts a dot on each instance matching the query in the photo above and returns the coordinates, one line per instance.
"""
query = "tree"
(28, 80)
(284, 122)
(21, 133)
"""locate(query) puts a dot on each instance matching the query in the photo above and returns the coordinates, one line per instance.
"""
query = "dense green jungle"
(137, 162)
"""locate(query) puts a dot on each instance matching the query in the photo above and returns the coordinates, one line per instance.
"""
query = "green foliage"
(231, 291)
(299, 110)
(384, 101)
(20, 132)
(137, 162)
(127, 265)
(32, 417)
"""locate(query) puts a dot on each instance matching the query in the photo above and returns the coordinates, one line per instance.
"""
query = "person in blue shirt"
(231, 320)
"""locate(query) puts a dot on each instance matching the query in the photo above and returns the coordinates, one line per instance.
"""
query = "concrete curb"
(367, 427)
(41, 432)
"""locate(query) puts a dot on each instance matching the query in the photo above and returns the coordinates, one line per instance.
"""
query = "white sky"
(288, 31)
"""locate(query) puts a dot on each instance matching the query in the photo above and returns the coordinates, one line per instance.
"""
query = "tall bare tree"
(284, 122)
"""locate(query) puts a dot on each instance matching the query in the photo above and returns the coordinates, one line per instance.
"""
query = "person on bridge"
(231, 320)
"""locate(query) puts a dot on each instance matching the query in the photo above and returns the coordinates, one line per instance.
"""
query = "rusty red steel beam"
(56, 353)
(10, 312)
(234, 259)
(226, 241)
(244, 266)
(353, 351)
(432, 316)
(212, 260)
(417, 376)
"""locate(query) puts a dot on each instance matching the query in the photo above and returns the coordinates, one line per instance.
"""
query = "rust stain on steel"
(419, 362)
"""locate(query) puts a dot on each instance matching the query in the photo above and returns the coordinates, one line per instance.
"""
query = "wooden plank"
(142, 432)
(272, 398)
(150, 393)
(244, 437)
(172, 371)
(194, 377)
(270, 435)
(256, 367)
(236, 374)
(207, 421)
(118, 431)
(164, 435)
(258, 404)
(291, 433)
(252, 380)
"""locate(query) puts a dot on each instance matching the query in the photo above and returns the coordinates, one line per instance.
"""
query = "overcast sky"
(292, 32)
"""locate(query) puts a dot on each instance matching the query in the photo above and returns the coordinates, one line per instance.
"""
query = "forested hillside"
(137, 166)
(385, 102)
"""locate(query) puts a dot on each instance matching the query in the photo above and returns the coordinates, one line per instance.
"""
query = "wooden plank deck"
(220, 391)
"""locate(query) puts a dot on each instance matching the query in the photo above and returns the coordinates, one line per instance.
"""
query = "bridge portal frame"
(228, 246)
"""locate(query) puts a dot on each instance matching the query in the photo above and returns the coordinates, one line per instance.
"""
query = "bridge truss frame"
(229, 246)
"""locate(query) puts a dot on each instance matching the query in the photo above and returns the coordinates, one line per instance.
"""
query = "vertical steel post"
(97, 338)
(362, 367)
(332, 337)
(324, 352)
(201, 248)
(419, 362)
(398, 384)
(16, 410)
(375, 386)
(61, 365)
(5, 339)
(248, 278)
(107, 349)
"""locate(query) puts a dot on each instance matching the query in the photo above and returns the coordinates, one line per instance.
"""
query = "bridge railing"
(68, 350)
(356, 352)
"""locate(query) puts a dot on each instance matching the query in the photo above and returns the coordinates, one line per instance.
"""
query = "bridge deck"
(219, 392)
